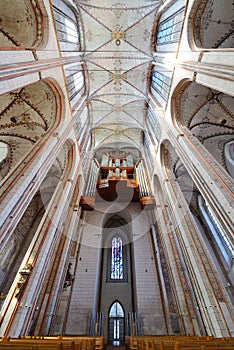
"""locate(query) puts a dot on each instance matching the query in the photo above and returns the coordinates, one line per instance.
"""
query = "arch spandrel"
(211, 25)
(23, 24)
(28, 116)
(207, 114)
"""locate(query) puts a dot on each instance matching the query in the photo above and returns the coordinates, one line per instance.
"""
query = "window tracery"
(117, 259)
(169, 29)
(75, 80)
(66, 24)
(161, 84)
(223, 243)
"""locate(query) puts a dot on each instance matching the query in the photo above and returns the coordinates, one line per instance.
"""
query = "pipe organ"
(119, 177)
(88, 200)
(146, 198)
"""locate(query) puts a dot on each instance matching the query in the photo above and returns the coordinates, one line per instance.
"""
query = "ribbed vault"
(117, 56)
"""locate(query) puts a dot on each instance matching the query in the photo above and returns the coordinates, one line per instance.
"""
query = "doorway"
(116, 324)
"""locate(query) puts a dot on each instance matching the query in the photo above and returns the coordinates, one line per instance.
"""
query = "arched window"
(75, 80)
(71, 31)
(222, 241)
(5, 163)
(116, 324)
(229, 157)
(116, 310)
(3, 151)
(154, 124)
(161, 84)
(169, 29)
(149, 148)
(117, 259)
(66, 25)
(82, 123)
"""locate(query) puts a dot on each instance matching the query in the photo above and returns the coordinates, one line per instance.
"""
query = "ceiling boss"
(118, 35)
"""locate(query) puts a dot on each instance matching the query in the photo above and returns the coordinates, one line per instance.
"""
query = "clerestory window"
(223, 242)
(161, 84)
(169, 30)
(66, 25)
(75, 80)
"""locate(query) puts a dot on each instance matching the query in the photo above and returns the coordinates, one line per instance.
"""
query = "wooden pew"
(52, 343)
(180, 343)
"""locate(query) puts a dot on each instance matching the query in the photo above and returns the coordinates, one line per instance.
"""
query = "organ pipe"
(143, 184)
(91, 188)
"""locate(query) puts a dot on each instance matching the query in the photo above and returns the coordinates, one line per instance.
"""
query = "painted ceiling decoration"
(28, 13)
(26, 116)
(117, 56)
(208, 114)
(215, 18)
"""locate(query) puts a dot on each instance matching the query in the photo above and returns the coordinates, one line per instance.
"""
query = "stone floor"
(110, 346)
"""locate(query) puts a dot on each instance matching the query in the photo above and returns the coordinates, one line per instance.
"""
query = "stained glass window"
(117, 259)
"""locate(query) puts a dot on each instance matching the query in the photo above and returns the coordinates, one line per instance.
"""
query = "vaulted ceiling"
(117, 37)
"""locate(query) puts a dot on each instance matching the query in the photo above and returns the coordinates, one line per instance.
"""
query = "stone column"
(18, 311)
(210, 295)
(19, 189)
(179, 293)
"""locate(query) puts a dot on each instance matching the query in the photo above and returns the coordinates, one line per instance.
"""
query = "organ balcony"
(118, 180)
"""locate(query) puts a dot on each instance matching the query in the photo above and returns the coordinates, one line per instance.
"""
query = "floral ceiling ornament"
(118, 107)
(118, 34)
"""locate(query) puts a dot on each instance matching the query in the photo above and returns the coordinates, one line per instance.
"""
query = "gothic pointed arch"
(117, 263)
(207, 114)
(176, 170)
(34, 226)
(116, 314)
(4, 159)
(68, 23)
(28, 116)
(116, 309)
(210, 25)
(18, 244)
(164, 153)
(116, 238)
(202, 212)
(168, 28)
